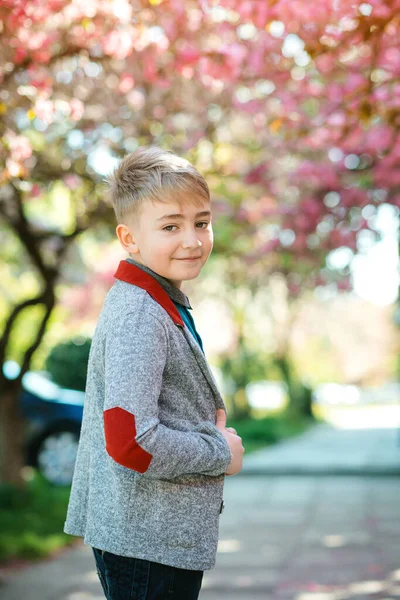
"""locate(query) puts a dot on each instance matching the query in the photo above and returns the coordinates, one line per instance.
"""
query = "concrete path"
(327, 450)
(309, 537)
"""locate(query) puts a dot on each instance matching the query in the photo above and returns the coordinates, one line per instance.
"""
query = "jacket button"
(222, 507)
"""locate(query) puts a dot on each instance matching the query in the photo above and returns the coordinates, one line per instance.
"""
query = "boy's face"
(173, 239)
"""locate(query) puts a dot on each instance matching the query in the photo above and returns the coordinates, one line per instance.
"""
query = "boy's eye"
(199, 225)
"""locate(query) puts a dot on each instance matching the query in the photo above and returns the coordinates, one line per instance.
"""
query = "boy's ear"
(126, 239)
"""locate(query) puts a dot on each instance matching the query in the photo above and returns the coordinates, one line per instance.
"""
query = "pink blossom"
(221, 207)
(42, 56)
(382, 94)
(354, 197)
(187, 54)
(256, 175)
(77, 109)
(326, 63)
(354, 82)
(118, 43)
(150, 69)
(334, 92)
(242, 214)
(354, 140)
(19, 145)
(379, 138)
(35, 191)
(270, 246)
(395, 200)
(126, 83)
(72, 181)
(317, 175)
(311, 207)
(318, 137)
(337, 119)
(319, 280)
(20, 55)
(293, 289)
(344, 285)
(286, 209)
(302, 223)
(44, 110)
(386, 177)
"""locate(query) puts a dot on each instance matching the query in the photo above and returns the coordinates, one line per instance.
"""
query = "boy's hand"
(234, 442)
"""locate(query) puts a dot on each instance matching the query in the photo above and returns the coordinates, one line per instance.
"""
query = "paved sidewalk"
(325, 450)
(282, 537)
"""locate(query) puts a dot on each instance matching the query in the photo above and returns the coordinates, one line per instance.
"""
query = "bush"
(67, 363)
(32, 519)
(258, 433)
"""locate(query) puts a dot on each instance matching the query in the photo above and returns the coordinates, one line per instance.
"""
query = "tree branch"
(49, 300)
(27, 237)
(10, 321)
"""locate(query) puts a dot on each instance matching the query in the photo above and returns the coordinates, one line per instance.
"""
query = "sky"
(375, 272)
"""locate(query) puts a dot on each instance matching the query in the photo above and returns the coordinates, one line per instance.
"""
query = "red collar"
(136, 276)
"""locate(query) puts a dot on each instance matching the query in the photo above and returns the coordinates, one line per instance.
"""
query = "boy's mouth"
(190, 258)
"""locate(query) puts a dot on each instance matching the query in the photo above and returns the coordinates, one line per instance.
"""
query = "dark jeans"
(124, 578)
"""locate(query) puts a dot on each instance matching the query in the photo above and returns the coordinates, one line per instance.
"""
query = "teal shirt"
(189, 322)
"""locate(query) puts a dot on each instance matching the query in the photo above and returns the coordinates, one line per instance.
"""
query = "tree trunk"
(241, 405)
(12, 437)
(12, 425)
(300, 396)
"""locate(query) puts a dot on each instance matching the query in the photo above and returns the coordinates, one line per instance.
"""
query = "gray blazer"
(149, 474)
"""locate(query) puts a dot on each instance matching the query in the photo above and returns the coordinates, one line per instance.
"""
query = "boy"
(154, 449)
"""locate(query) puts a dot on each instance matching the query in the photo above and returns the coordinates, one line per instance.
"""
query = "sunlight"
(367, 587)
(225, 546)
(361, 417)
(334, 541)
(317, 596)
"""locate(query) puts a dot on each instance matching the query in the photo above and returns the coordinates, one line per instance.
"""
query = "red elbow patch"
(120, 433)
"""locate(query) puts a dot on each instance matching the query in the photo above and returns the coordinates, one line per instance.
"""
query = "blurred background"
(291, 110)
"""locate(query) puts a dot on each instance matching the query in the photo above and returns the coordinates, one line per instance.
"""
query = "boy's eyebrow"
(204, 213)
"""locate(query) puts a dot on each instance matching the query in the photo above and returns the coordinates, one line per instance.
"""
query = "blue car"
(53, 416)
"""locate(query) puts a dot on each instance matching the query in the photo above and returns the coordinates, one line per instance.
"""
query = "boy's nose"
(191, 241)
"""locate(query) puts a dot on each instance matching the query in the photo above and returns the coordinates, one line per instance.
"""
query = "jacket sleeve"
(135, 357)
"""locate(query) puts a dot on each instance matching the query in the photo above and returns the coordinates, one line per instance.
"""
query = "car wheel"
(56, 456)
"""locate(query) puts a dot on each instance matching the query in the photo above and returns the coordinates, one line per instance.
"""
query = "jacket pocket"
(179, 513)
(191, 513)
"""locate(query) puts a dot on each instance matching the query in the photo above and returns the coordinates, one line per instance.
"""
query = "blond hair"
(151, 173)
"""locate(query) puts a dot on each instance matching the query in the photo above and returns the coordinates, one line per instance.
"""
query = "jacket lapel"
(136, 276)
(204, 366)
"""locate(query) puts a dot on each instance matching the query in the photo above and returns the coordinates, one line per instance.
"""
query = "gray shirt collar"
(173, 292)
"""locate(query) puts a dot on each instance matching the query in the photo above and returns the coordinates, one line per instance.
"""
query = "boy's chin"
(193, 276)
(179, 279)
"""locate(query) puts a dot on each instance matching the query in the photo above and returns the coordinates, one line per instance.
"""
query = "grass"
(32, 519)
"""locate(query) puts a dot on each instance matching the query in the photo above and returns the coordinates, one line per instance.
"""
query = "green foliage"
(32, 519)
(245, 365)
(67, 363)
(239, 369)
(258, 433)
(302, 399)
(54, 208)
